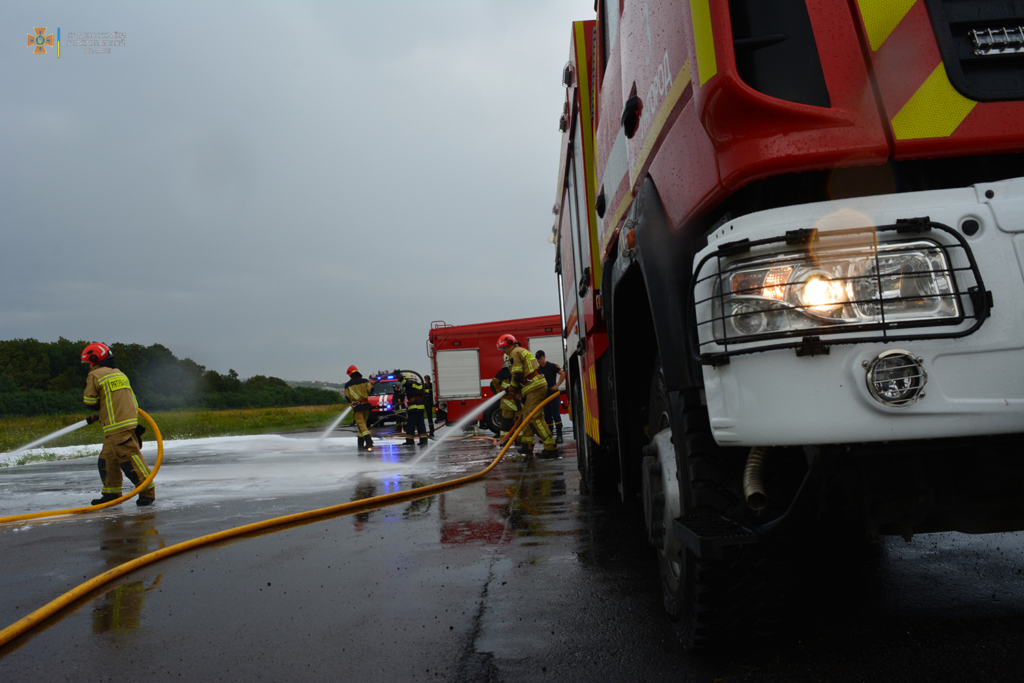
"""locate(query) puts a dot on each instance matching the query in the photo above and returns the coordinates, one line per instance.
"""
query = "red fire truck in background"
(466, 358)
(383, 406)
(791, 265)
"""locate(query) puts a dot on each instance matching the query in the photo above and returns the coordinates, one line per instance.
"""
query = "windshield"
(381, 388)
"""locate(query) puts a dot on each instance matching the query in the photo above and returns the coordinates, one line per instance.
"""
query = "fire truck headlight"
(819, 293)
(895, 283)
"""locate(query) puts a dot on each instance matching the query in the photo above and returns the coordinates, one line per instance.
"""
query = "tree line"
(38, 378)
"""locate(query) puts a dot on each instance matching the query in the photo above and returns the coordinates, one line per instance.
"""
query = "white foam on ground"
(209, 445)
(217, 469)
(60, 453)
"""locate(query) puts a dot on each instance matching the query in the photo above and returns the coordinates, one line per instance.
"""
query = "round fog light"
(896, 378)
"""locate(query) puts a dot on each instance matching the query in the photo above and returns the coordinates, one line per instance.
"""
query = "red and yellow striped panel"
(927, 116)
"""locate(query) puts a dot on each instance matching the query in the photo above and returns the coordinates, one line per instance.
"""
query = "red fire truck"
(466, 358)
(790, 255)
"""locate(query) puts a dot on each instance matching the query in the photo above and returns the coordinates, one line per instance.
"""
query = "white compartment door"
(551, 346)
(458, 374)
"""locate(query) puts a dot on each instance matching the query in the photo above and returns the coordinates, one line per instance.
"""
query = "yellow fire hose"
(48, 610)
(110, 503)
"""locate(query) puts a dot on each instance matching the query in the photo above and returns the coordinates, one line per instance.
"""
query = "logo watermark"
(92, 43)
(39, 40)
(96, 43)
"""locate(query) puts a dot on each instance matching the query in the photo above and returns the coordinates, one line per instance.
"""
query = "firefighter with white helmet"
(108, 391)
(414, 424)
(529, 385)
(357, 391)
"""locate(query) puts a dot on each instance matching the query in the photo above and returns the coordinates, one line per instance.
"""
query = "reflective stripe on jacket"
(110, 389)
(523, 366)
(501, 382)
(413, 392)
(357, 391)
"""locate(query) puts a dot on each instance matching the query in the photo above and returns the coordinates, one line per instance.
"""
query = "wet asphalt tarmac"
(514, 578)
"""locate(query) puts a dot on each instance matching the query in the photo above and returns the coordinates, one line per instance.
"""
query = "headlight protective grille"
(852, 286)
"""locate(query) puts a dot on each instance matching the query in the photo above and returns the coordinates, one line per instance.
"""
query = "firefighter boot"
(107, 497)
(526, 448)
(362, 442)
(558, 432)
(147, 497)
(423, 440)
(369, 442)
(409, 441)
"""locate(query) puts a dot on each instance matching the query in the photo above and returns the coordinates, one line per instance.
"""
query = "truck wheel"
(708, 601)
(492, 418)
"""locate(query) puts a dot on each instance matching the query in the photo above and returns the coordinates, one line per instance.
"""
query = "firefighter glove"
(92, 418)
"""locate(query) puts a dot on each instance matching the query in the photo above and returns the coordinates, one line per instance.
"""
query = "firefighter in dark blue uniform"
(414, 413)
(554, 376)
(428, 403)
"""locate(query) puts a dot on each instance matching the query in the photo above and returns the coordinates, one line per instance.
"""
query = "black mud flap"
(705, 534)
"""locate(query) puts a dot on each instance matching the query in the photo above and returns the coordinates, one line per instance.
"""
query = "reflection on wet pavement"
(517, 577)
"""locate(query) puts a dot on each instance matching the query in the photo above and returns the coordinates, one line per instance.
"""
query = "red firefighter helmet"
(351, 369)
(95, 353)
(506, 340)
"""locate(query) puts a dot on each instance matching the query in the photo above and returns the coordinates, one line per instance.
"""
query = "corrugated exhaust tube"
(753, 475)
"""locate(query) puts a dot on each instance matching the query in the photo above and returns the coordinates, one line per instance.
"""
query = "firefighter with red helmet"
(529, 385)
(108, 391)
(357, 391)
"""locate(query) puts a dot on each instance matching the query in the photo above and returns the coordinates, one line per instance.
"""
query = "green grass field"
(186, 424)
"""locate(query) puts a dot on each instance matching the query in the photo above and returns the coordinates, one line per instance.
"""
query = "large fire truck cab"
(790, 254)
(467, 357)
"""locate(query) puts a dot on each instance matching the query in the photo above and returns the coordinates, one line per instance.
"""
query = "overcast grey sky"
(280, 188)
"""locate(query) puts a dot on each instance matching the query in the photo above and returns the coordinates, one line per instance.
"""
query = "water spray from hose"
(458, 426)
(51, 437)
(334, 424)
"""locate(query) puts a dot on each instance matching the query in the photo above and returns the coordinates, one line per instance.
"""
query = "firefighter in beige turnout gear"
(510, 408)
(529, 385)
(107, 390)
(357, 391)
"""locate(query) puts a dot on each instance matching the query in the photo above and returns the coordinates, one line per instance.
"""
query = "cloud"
(282, 188)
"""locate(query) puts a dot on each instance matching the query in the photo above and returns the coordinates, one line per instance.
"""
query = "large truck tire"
(709, 602)
(492, 418)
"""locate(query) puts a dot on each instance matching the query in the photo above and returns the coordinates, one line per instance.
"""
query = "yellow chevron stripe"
(881, 17)
(593, 424)
(703, 39)
(934, 111)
